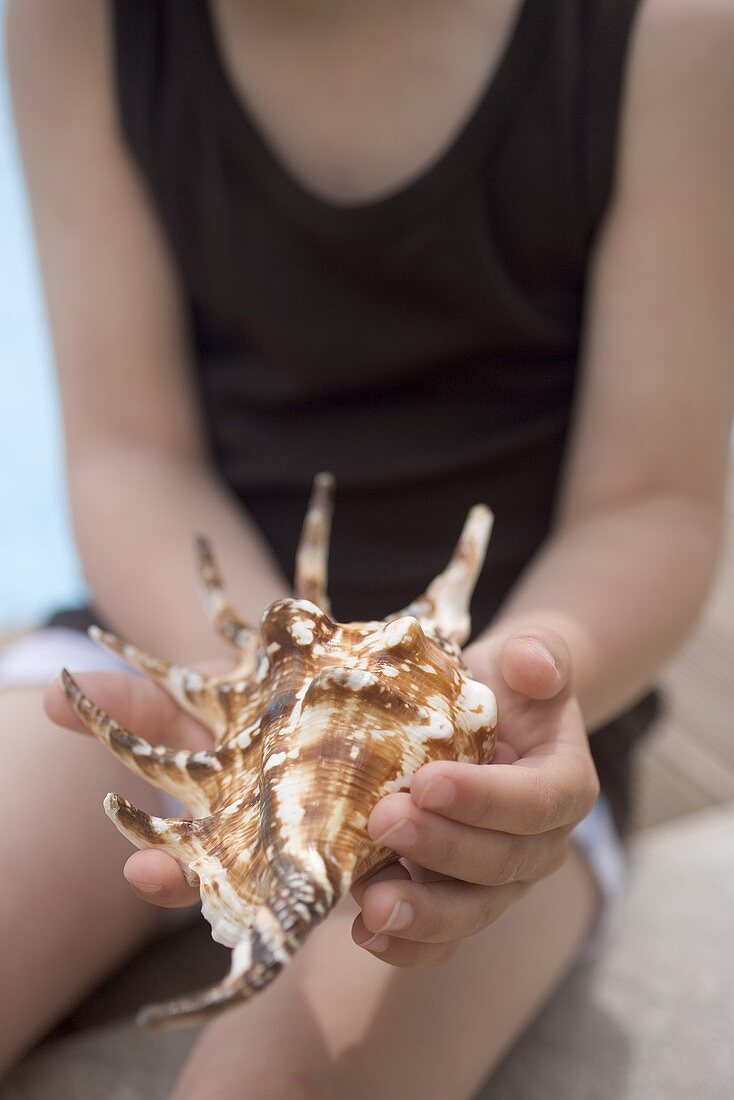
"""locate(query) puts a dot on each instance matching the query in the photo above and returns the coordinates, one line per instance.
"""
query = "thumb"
(136, 703)
(157, 878)
(536, 662)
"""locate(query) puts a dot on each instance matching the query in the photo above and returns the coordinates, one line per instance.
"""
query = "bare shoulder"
(680, 86)
(39, 24)
(57, 55)
(655, 413)
(676, 38)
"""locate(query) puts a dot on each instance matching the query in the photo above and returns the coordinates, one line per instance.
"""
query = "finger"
(135, 703)
(422, 874)
(404, 953)
(504, 753)
(157, 878)
(480, 856)
(393, 872)
(438, 912)
(527, 798)
(536, 663)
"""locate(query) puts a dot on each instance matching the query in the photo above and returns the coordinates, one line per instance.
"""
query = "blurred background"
(38, 566)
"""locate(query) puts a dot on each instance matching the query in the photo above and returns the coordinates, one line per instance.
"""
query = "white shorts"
(37, 658)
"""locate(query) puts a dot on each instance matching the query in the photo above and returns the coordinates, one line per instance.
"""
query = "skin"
(335, 1018)
(473, 853)
(68, 920)
(610, 595)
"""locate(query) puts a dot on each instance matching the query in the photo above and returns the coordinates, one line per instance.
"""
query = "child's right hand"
(140, 706)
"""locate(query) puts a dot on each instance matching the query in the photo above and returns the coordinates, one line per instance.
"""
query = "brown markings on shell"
(223, 617)
(316, 722)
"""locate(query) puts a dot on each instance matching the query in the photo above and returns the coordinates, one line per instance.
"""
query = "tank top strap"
(606, 29)
(137, 44)
(157, 46)
(154, 49)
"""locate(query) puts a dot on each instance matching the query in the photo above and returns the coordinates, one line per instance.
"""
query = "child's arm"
(639, 524)
(139, 481)
(640, 520)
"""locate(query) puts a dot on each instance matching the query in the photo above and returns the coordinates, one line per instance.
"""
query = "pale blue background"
(38, 566)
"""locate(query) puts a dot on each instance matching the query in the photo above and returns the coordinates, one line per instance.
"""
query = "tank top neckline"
(471, 142)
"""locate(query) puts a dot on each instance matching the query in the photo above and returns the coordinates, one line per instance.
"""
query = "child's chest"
(355, 99)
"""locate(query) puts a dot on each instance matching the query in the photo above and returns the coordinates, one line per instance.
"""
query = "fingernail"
(376, 943)
(437, 794)
(401, 836)
(400, 918)
(542, 651)
(146, 888)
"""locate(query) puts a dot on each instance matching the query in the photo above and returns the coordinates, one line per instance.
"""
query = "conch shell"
(316, 723)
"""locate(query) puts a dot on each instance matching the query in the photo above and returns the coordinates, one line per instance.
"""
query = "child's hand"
(542, 782)
(141, 706)
(478, 836)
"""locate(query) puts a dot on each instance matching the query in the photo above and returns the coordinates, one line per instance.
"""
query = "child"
(454, 252)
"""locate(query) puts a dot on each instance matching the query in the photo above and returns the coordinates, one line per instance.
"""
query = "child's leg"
(67, 917)
(340, 1024)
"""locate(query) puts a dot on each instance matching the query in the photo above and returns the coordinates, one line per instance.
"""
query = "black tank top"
(423, 347)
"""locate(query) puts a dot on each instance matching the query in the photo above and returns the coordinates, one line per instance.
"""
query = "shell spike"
(177, 838)
(445, 603)
(313, 547)
(276, 928)
(164, 768)
(253, 967)
(318, 721)
(228, 623)
(187, 686)
(159, 670)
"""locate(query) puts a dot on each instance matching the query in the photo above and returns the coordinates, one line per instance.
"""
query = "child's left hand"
(478, 836)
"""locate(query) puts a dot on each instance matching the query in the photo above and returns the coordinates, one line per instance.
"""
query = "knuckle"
(497, 900)
(480, 807)
(586, 793)
(429, 924)
(508, 862)
(485, 915)
(556, 859)
(446, 850)
(549, 804)
(593, 790)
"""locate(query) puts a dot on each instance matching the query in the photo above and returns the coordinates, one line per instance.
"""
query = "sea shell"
(316, 723)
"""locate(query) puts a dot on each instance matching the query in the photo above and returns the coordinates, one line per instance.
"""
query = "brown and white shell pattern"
(316, 723)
